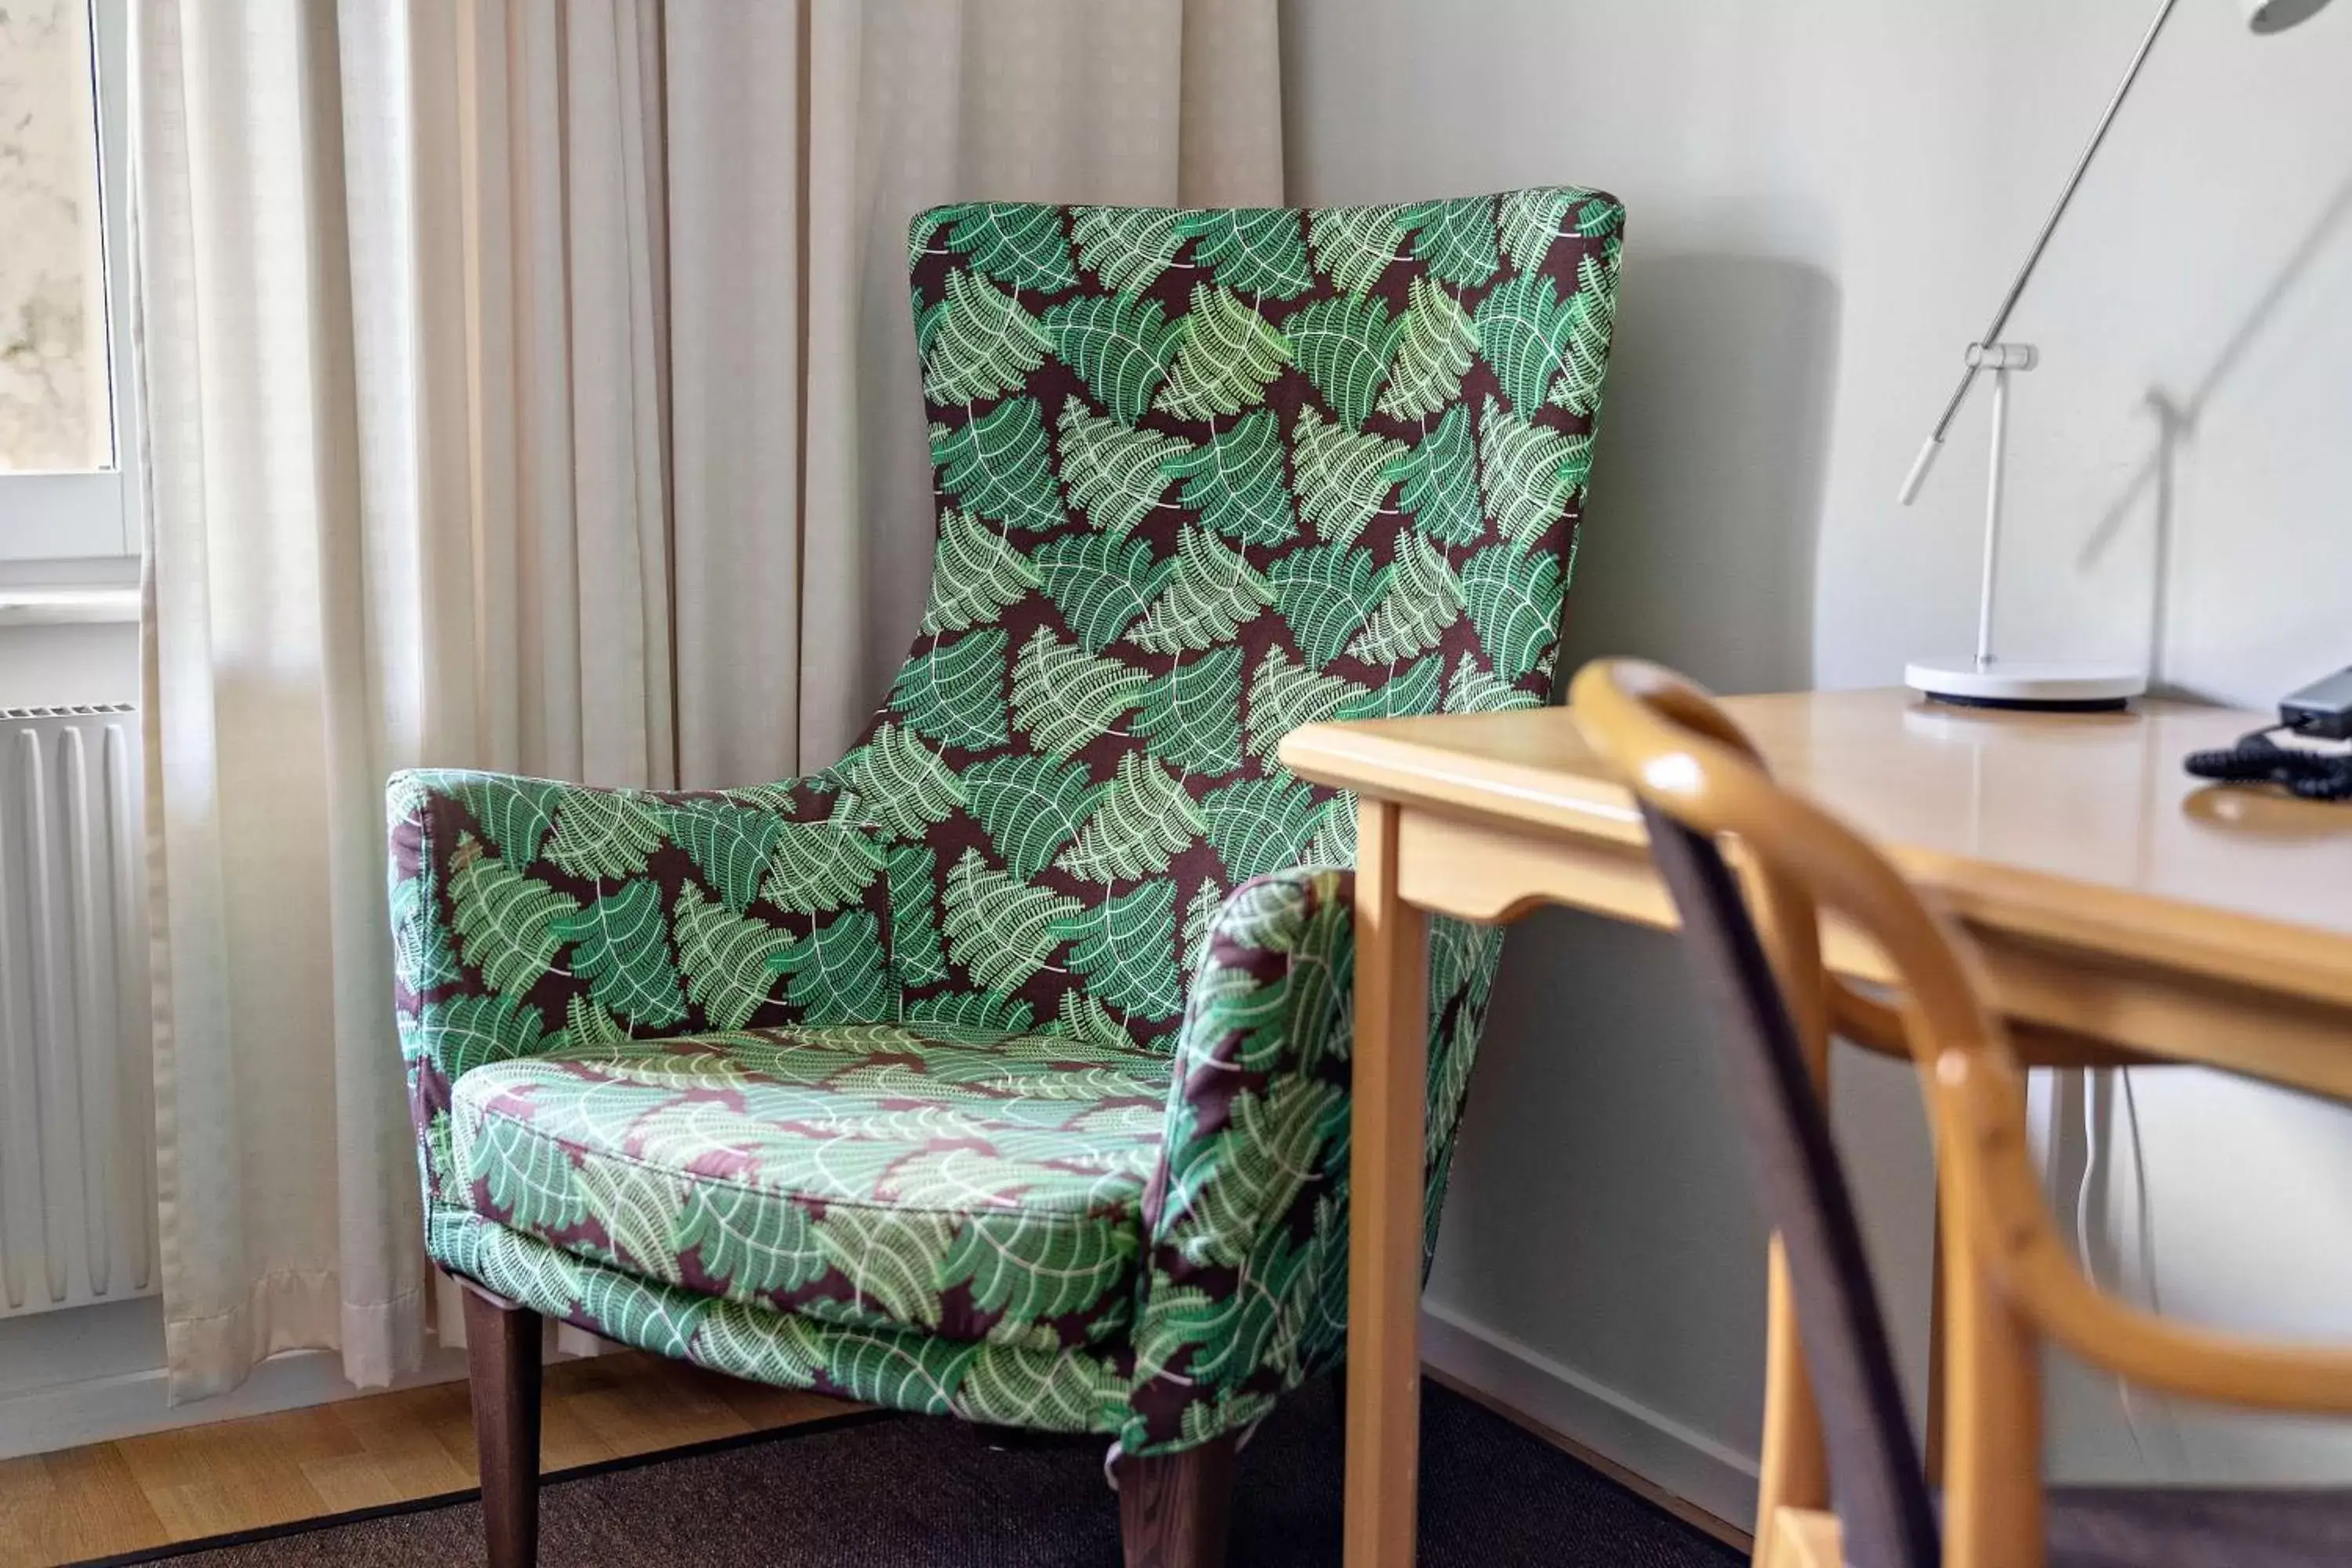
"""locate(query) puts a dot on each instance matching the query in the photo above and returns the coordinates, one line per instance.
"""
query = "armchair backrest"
(1204, 476)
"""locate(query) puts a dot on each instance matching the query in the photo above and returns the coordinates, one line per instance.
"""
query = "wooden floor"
(201, 1482)
(198, 1482)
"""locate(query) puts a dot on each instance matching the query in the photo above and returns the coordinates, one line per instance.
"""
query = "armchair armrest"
(1261, 1079)
(529, 914)
(1245, 1262)
(1245, 1284)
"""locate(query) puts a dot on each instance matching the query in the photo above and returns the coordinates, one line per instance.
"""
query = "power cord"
(2258, 759)
(2095, 1180)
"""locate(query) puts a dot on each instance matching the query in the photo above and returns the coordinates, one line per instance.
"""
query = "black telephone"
(2320, 711)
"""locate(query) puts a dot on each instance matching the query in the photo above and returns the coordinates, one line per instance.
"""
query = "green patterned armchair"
(1001, 1069)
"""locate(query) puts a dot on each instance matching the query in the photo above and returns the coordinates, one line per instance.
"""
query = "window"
(65, 420)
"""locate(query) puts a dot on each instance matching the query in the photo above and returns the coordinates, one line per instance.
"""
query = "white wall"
(68, 664)
(1826, 198)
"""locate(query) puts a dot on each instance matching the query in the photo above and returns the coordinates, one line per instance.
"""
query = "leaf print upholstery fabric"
(1203, 477)
(1079, 1390)
(864, 1175)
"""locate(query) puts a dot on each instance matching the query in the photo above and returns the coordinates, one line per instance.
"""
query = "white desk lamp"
(1985, 682)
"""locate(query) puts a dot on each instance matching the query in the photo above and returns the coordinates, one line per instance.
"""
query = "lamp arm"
(1927, 458)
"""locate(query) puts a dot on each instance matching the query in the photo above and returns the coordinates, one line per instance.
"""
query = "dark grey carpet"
(914, 1493)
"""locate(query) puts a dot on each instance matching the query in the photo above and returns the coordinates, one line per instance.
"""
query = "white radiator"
(77, 1102)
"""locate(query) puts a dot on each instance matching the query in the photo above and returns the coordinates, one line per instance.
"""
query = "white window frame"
(83, 526)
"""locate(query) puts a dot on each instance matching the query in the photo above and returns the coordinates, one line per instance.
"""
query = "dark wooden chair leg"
(502, 1361)
(1175, 1509)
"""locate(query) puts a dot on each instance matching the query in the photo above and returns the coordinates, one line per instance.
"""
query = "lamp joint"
(2003, 357)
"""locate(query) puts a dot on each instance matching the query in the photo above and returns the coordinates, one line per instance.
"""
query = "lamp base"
(2053, 687)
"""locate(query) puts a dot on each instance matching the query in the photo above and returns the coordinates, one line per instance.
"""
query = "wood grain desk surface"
(2077, 831)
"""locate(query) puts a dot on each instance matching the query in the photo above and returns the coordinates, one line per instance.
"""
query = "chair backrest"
(1875, 1464)
(1204, 476)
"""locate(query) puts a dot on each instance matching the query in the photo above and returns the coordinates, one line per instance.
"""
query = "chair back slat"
(1875, 1463)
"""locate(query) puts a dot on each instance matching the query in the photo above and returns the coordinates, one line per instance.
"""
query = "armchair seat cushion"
(979, 1187)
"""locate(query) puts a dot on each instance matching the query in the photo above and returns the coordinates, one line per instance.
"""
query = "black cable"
(2258, 759)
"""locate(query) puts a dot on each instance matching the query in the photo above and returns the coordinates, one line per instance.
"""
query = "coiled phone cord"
(2258, 759)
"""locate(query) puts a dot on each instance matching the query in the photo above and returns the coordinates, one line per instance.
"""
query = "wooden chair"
(2011, 1281)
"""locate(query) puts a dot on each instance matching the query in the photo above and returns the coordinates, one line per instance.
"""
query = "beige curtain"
(528, 385)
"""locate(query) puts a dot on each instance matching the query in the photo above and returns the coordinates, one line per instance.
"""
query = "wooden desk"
(2125, 912)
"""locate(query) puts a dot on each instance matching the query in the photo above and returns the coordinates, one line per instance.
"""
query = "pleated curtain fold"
(528, 385)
